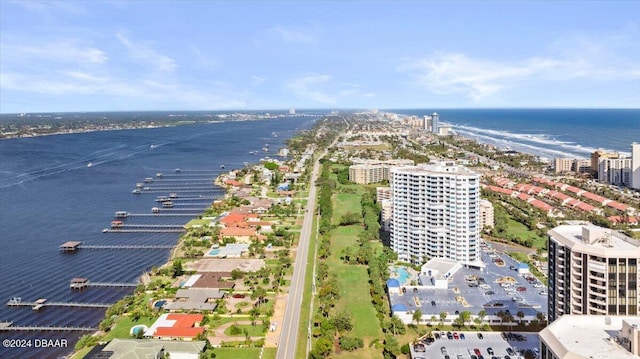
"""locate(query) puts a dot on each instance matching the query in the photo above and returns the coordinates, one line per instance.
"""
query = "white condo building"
(635, 165)
(436, 213)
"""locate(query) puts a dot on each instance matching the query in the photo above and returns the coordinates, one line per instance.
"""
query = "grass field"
(237, 353)
(345, 203)
(124, 325)
(521, 231)
(252, 330)
(353, 281)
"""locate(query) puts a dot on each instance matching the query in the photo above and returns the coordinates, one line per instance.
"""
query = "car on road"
(480, 336)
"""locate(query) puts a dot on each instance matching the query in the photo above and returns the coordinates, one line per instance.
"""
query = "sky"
(249, 55)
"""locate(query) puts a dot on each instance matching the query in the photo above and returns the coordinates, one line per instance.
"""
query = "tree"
(443, 316)
(417, 316)
(342, 322)
(322, 348)
(350, 343)
(391, 346)
(520, 315)
(177, 269)
(466, 317)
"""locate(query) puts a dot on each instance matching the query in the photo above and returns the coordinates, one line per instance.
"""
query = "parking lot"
(492, 345)
(528, 297)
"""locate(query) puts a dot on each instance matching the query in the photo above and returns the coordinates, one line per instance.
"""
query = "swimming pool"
(214, 252)
(402, 275)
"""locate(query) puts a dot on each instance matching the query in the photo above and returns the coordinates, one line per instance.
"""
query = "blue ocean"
(549, 133)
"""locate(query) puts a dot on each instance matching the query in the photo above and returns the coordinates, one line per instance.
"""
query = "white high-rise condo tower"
(436, 213)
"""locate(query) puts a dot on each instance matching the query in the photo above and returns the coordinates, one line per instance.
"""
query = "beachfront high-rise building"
(615, 171)
(592, 270)
(435, 123)
(635, 165)
(597, 157)
(435, 213)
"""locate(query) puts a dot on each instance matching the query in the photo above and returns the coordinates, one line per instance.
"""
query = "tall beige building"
(373, 171)
(592, 270)
(598, 156)
(486, 214)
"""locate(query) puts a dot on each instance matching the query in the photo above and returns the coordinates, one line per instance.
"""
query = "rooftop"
(594, 238)
(438, 168)
(586, 336)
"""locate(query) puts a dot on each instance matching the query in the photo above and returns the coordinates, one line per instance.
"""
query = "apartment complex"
(615, 171)
(592, 270)
(436, 213)
(591, 337)
(598, 156)
(374, 171)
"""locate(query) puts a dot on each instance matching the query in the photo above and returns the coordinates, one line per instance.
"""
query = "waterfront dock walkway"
(14, 303)
(8, 326)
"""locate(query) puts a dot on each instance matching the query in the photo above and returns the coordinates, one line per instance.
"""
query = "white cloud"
(451, 73)
(148, 56)
(257, 80)
(61, 50)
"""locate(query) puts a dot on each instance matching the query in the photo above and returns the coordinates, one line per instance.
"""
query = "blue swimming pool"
(214, 252)
(402, 275)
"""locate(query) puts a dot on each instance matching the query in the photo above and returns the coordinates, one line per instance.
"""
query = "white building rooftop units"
(591, 238)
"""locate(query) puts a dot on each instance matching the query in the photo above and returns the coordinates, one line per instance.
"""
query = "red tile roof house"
(175, 326)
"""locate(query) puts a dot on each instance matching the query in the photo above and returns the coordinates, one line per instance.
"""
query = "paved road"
(289, 334)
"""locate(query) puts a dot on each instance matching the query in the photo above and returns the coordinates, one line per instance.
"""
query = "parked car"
(510, 351)
(449, 335)
(461, 335)
(489, 292)
(455, 335)
(490, 350)
(521, 289)
(443, 350)
(480, 336)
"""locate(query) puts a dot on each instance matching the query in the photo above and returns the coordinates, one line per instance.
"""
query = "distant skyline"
(250, 55)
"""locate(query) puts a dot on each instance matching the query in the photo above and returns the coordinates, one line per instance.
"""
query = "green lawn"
(344, 203)
(124, 325)
(521, 231)
(252, 330)
(353, 281)
(237, 353)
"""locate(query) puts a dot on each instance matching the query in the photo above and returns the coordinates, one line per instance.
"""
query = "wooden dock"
(112, 284)
(13, 303)
(159, 214)
(108, 230)
(8, 326)
(73, 246)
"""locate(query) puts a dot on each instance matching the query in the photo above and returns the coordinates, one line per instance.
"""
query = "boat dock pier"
(81, 283)
(73, 246)
(17, 302)
(8, 326)
(159, 214)
(118, 230)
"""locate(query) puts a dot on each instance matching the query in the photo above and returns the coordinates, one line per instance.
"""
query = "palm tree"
(417, 316)
(520, 315)
(443, 316)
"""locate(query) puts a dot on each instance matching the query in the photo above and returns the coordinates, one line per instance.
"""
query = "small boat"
(152, 146)
(222, 166)
(177, 170)
(122, 214)
(155, 210)
(148, 180)
(136, 191)
(167, 204)
(90, 164)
